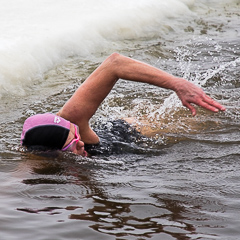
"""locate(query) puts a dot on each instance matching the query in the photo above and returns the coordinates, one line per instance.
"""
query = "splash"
(37, 35)
(193, 72)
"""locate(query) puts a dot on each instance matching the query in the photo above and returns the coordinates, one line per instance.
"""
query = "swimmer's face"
(74, 143)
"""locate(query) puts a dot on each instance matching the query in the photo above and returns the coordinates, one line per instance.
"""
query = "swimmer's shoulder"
(142, 125)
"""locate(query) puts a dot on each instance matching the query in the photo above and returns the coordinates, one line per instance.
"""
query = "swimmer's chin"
(83, 154)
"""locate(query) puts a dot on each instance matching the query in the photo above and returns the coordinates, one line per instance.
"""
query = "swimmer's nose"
(80, 144)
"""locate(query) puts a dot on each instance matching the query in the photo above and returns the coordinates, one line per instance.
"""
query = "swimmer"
(69, 129)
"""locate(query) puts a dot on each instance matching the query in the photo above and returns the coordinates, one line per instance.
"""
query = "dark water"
(182, 184)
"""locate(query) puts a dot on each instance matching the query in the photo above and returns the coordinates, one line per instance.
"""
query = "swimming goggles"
(72, 145)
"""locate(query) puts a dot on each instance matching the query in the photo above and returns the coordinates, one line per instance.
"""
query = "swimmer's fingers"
(191, 108)
(205, 102)
(211, 104)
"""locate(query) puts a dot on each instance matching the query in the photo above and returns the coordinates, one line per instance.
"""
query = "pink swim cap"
(47, 130)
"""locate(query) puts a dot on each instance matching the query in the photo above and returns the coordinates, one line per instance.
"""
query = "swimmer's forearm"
(186, 91)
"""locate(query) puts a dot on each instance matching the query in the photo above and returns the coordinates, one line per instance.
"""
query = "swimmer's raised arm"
(86, 100)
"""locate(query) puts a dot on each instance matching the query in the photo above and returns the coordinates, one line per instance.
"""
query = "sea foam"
(37, 35)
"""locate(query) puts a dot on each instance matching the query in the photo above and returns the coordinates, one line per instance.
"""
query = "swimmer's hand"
(191, 94)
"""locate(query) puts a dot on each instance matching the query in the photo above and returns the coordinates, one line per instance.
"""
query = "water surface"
(182, 183)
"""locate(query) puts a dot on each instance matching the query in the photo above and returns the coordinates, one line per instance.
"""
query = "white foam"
(36, 35)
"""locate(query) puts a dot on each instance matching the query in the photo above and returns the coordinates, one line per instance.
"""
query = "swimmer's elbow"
(114, 60)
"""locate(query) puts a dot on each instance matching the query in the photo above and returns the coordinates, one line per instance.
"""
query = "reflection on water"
(120, 216)
(177, 194)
